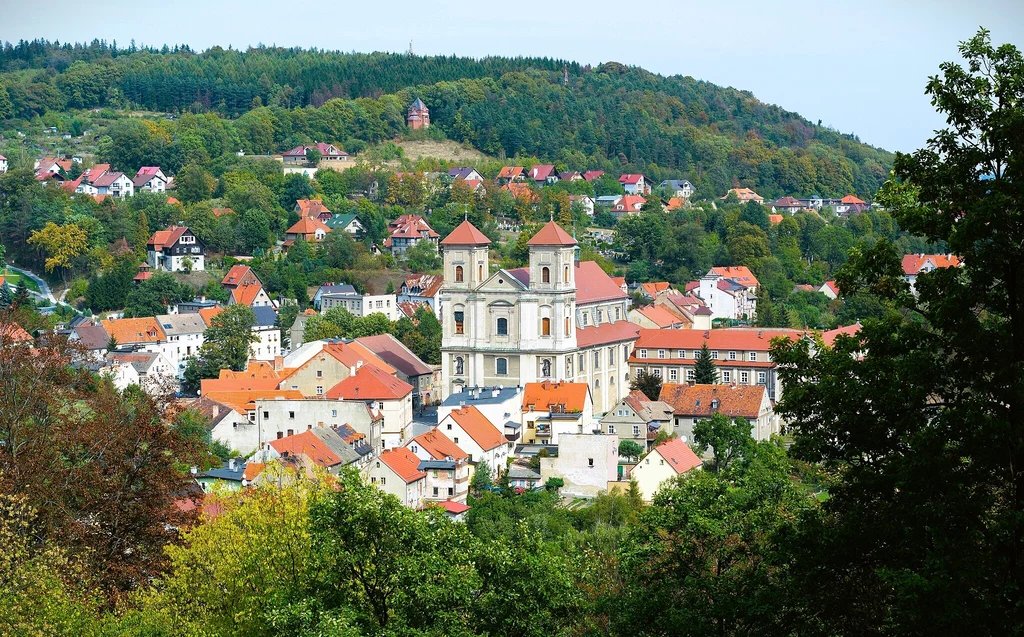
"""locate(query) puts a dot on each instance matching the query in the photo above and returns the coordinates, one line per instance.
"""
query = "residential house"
(275, 414)
(592, 175)
(445, 463)
(501, 405)
(396, 471)
(680, 188)
(385, 304)
(657, 317)
(830, 289)
(422, 288)
(184, 338)
(245, 287)
(114, 184)
(915, 265)
(652, 289)
(322, 447)
(308, 229)
(349, 223)
(408, 366)
(586, 463)
(239, 275)
(154, 373)
(570, 175)
(313, 208)
(510, 174)
(741, 355)
(138, 334)
(522, 478)
(730, 292)
(667, 461)
(522, 192)
(628, 205)
(554, 408)
(635, 184)
(692, 403)
(850, 205)
(637, 418)
(406, 231)
(315, 367)
(583, 202)
(267, 329)
(328, 153)
(465, 173)
(389, 395)
(233, 414)
(775, 219)
(543, 174)
(787, 205)
(150, 179)
(688, 308)
(297, 332)
(343, 295)
(675, 203)
(176, 249)
(744, 195)
(92, 337)
(468, 428)
(418, 115)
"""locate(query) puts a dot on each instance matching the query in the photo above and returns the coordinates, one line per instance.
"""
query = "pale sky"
(860, 67)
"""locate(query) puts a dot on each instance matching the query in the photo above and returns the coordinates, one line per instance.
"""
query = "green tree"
(313, 155)
(729, 438)
(481, 478)
(631, 450)
(226, 345)
(152, 296)
(422, 257)
(704, 370)
(193, 184)
(923, 530)
(646, 382)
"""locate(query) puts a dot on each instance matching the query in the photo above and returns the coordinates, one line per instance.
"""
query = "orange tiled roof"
(652, 288)
(236, 275)
(307, 226)
(245, 399)
(607, 333)
(510, 172)
(520, 191)
(254, 369)
(740, 274)
(209, 312)
(163, 238)
(851, 200)
(221, 385)
(478, 427)
(912, 263)
(12, 332)
(404, 463)
(370, 383)
(246, 294)
(440, 446)
(465, 234)
(551, 235)
(309, 445)
(252, 470)
(311, 207)
(659, 315)
(737, 401)
(774, 219)
(675, 203)
(739, 339)
(829, 337)
(541, 396)
(219, 212)
(134, 330)
(678, 455)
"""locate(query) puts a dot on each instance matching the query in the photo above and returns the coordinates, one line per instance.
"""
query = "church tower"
(465, 253)
(418, 115)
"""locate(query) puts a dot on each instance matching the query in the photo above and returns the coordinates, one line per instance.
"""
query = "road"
(44, 287)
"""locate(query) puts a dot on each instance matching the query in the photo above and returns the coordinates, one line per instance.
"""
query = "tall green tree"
(226, 345)
(924, 530)
(704, 370)
(728, 438)
(646, 382)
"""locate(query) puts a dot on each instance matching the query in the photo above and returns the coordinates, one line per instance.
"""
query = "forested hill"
(610, 116)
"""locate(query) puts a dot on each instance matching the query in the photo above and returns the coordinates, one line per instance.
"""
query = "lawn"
(12, 278)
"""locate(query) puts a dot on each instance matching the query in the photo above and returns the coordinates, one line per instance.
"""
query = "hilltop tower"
(418, 116)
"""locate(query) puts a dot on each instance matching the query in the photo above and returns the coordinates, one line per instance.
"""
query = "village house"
(396, 471)
(850, 205)
(273, 414)
(637, 418)
(267, 330)
(501, 405)
(391, 396)
(348, 222)
(551, 409)
(692, 403)
(315, 367)
(345, 296)
(114, 184)
(915, 265)
(309, 229)
(586, 463)
(543, 174)
(667, 461)
(245, 288)
(831, 290)
(583, 202)
(406, 231)
(184, 334)
(322, 447)
(523, 478)
(312, 208)
(176, 249)
(635, 184)
(591, 176)
(741, 355)
(787, 205)
(150, 179)
(730, 292)
(329, 153)
(446, 465)
(680, 188)
(465, 173)
(482, 441)
(628, 205)
(422, 288)
(151, 371)
(386, 304)
(657, 317)
(510, 174)
(570, 175)
(744, 195)
(408, 366)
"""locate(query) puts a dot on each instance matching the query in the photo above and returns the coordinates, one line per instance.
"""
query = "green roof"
(342, 220)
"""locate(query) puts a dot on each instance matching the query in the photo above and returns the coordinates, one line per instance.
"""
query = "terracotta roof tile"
(678, 455)
(739, 339)
(607, 333)
(740, 274)
(542, 396)
(309, 445)
(465, 234)
(737, 401)
(370, 383)
(134, 330)
(404, 463)
(440, 446)
(913, 263)
(478, 427)
(551, 235)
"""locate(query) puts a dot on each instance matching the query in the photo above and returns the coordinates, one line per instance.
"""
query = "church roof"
(466, 234)
(551, 235)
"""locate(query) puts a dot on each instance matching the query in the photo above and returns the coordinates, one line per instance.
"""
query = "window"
(460, 366)
(611, 355)
(600, 316)
(501, 366)
(319, 390)
(673, 374)
(435, 492)
(583, 319)
(714, 354)
(266, 415)
(459, 274)
(726, 377)
(597, 383)
(545, 327)
(451, 491)
(681, 353)
(291, 432)
(661, 353)
(656, 371)
(714, 403)
(611, 429)
(753, 356)
(618, 313)
(383, 479)
(597, 359)
(334, 413)
(380, 405)
(291, 416)
(744, 377)
(590, 462)
(545, 275)
(503, 327)
(762, 378)
(636, 431)
(459, 319)
(449, 426)
(582, 362)
(643, 353)
(732, 356)
(625, 352)
(455, 440)
(690, 375)
(567, 326)
(565, 275)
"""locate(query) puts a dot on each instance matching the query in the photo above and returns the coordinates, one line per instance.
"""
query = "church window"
(503, 327)
(501, 367)
(480, 272)
(567, 326)
(459, 276)
(566, 278)
(545, 275)
(545, 327)
(459, 322)
(581, 361)
(597, 359)
(618, 313)
(460, 366)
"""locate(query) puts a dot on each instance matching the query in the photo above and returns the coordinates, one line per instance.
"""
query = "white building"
(115, 185)
(667, 461)
(396, 471)
(176, 249)
(385, 304)
(585, 462)
(4, 164)
(500, 405)
(184, 338)
(730, 292)
(477, 436)
(268, 332)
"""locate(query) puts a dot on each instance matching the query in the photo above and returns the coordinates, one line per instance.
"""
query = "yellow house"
(668, 460)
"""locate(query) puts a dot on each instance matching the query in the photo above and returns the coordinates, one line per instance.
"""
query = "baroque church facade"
(558, 319)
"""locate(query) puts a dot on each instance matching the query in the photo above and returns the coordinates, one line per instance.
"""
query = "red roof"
(607, 333)
(738, 339)
(551, 235)
(678, 455)
(591, 175)
(851, 200)
(542, 396)
(737, 401)
(236, 275)
(245, 294)
(440, 446)
(832, 286)
(404, 463)
(309, 445)
(429, 284)
(521, 191)
(164, 238)
(370, 383)
(774, 219)
(107, 179)
(311, 207)
(478, 427)
(653, 287)
(510, 172)
(630, 178)
(593, 284)
(307, 227)
(829, 337)
(452, 507)
(660, 316)
(465, 234)
(913, 263)
(541, 172)
(740, 274)
(13, 333)
(629, 203)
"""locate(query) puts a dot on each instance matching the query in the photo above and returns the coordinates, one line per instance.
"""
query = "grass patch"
(12, 278)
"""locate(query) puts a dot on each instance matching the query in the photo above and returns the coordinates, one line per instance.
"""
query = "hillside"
(610, 116)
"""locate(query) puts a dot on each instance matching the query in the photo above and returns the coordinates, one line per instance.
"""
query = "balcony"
(559, 412)
(543, 431)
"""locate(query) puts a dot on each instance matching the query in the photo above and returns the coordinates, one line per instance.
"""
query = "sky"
(859, 67)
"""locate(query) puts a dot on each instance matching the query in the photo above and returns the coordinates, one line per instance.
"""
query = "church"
(558, 319)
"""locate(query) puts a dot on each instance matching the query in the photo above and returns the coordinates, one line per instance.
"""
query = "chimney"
(232, 464)
(216, 410)
(462, 405)
(760, 334)
(278, 363)
(494, 393)
(194, 470)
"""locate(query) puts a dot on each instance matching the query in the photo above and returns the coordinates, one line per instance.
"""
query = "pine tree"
(705, 372)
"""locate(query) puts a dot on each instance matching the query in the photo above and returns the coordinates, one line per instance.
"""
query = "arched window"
(501, 367)
(567, 326)
(480, 272)
(545, 275)
(545, 327)
(545, 367)
(568, 366)
(459, 276)
(460, 366)
(503, 327)
(460, 318)
(565, 279)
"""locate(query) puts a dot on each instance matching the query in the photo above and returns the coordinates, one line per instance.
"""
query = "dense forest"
(611, 116)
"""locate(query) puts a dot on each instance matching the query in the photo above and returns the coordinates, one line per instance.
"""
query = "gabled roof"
(832, 286)
(630, 178)
(788, 202)
(774, 219)
(465, 234)
(478, 427)
(521, 191)
(175, 324)
(307, 226)
(404, 463)
(591, 175)
(396, 354)
(243, 400)
(164, 238)
(678, 455)
(209, 312)
(428, 284)
(246, 294)
(659, 315)
(739, 339)
(462, 172)
(236, 275)
(410, 309)
(593, 284)
(13, 333)
(92, 336)
(542, 396)
(829, 337)
(134, 330)
(913, 263)
(439, 446)
(675, 203)
(141, 180)
(741, 274)
(541, 172)
(265, 316)
(851, 200)
(736, 401)
(743, 194)
(370, 383)
(106, 179)
(510, 172)
(646, 408)
(652, 288)
(307, 444)
(629, 203)
(551, 235)
(310, 207)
